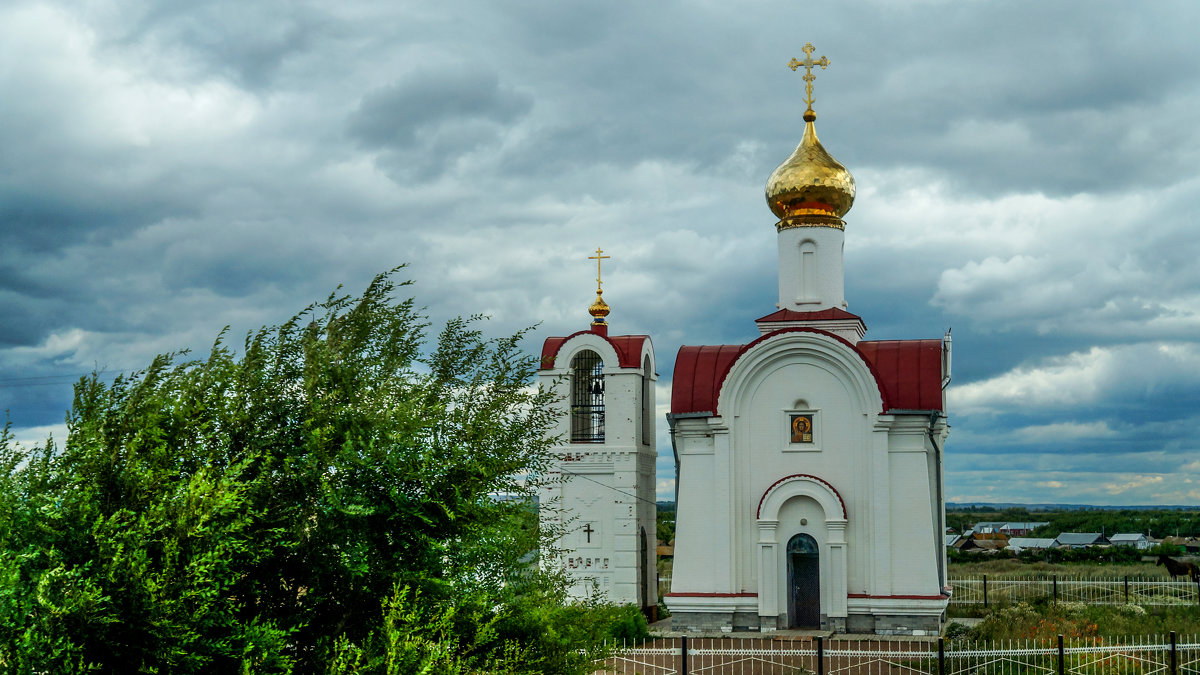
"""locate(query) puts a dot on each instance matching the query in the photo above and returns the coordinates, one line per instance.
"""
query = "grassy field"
(1078, 620)
(1012, 567)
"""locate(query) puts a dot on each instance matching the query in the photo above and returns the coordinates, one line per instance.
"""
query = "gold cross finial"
(599, 308)
(598, 257)
(808, 64)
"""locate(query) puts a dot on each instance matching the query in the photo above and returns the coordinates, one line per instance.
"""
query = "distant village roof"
(1126, 537)
(1081, 539)
(1019, 543)
(951, 538)
(1022, 526)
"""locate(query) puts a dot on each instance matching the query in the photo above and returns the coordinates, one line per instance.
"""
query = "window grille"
(587, 398)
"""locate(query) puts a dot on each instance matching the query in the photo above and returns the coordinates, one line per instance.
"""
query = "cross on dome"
(808, 64)
(599, 308)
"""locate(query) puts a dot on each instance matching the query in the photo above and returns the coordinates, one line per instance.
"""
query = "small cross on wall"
(588, 531)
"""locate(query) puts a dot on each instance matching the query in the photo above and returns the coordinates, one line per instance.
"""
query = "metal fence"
(986, 590)
(1152, 655)
(989, 589)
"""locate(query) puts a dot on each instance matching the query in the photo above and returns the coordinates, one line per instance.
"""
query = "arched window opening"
(587, 398)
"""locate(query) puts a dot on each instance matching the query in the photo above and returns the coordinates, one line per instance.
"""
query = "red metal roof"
(699, 372)
(910, 371)
(907, 372)
(833, 313)
(628, 348)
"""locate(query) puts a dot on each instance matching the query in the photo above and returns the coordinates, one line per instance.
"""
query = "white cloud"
(1065, 431)
(1133, 484)
(1080, 378)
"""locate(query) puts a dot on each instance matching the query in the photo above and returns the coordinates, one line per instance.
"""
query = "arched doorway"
(804, 582)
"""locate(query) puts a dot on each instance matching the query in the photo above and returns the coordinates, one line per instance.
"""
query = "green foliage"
(324, 502)
(1160, 522)
(665, 524)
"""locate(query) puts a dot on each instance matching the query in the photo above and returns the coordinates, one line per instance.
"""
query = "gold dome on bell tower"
(810, 188)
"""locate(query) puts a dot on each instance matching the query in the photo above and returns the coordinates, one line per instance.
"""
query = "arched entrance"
(804, 582)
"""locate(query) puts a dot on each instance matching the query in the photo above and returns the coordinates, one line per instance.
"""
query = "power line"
(46, 380)
(610, 487)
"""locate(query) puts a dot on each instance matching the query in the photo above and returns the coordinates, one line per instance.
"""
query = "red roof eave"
(628, 348)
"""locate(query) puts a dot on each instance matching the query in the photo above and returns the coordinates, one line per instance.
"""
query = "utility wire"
(610, 487)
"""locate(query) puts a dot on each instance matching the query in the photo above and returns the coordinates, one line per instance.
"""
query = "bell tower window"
(587, 398)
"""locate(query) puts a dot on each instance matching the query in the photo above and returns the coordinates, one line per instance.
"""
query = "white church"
(808, 460)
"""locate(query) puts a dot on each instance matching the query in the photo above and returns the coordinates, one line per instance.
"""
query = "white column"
(837, 568)
(768, 575)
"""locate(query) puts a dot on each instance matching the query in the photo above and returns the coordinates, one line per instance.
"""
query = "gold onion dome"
(810, 182)
(599, 308)
(810, 188)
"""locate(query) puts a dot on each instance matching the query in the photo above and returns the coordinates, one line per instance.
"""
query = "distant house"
(1134, 539)
(1020, 529)
(1018, 544)
(952, 539)
(989, 527)
(1081, 539)
(981, 541)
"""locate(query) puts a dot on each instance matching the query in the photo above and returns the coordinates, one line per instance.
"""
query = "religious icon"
(802, 428)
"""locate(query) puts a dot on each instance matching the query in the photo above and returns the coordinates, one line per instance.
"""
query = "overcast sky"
(1027, 173)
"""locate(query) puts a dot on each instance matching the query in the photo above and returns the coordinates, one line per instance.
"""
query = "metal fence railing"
(1144, 655)
(988, 589)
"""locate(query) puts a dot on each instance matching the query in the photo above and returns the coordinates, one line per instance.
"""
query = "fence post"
(1173, 652)
(1056, 589)
(820, 655)
(1126, 588)
(985, 590)
(1061, 660)
(683, 664)
(941, 656)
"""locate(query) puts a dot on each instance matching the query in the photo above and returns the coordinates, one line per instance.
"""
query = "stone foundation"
(886, 624)
(703, 622)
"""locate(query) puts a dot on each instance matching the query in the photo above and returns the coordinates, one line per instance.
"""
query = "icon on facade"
(802, 428)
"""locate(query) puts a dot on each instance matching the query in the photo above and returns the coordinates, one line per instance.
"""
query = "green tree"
(340, 497)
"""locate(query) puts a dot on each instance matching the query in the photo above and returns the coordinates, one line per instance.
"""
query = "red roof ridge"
(710, 402)
(830, 314)
(627, 347)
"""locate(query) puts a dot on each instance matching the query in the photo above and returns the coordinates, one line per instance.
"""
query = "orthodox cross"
(598, 257)
(808, 64)
(588, 531)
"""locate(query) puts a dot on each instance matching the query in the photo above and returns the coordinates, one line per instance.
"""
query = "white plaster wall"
(763, 439)
(702, 536)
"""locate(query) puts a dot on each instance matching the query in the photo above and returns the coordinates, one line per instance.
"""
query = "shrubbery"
(325, 502)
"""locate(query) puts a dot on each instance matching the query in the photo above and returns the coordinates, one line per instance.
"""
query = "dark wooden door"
(804, 582)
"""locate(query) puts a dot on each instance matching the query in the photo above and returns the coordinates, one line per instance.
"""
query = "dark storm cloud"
(394, 116)
(1026, 175)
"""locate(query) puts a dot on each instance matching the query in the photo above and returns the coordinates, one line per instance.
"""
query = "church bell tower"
(603, 500)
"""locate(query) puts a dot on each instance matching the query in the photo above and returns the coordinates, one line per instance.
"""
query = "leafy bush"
(325, 502)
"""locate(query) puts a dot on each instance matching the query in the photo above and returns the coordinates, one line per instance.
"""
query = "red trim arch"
(628, 348)
(822, 481)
